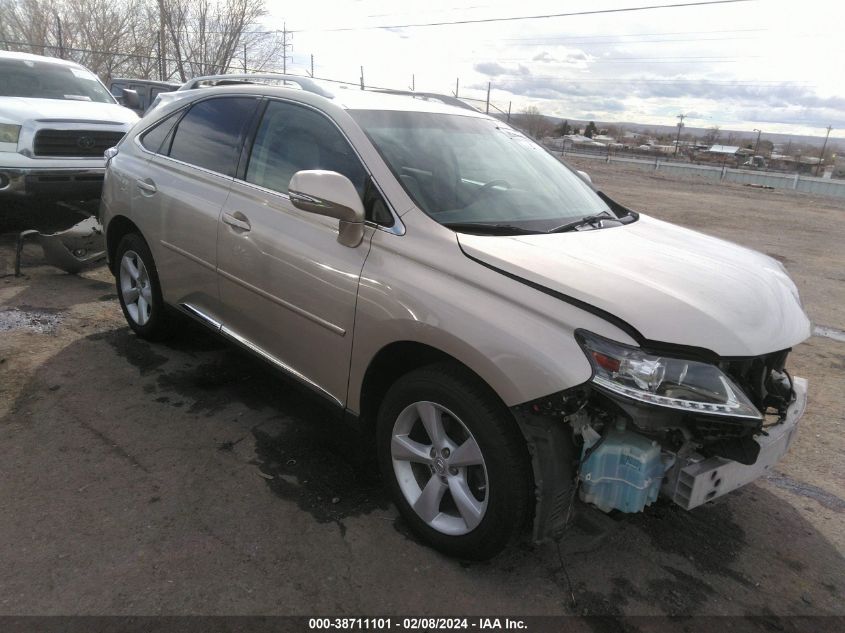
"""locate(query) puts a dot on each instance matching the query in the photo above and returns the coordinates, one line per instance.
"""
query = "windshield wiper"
(489, 229)
(587, 219)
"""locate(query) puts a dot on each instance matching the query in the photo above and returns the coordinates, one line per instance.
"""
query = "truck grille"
(76, 143)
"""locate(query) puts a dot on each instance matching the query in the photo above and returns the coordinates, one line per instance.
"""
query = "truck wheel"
(456, 464)
(139, 290)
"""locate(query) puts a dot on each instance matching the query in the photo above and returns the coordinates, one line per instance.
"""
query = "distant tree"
(613, 131)
(533, 123)
(590, 130)
(123, 37)
(563, 129)
(711, 137)
(765, 147)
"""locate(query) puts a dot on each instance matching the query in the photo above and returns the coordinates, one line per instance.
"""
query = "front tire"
(139, 290)
(456, 464)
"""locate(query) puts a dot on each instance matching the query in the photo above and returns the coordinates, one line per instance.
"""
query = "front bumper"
(72, 183)
(695, 480)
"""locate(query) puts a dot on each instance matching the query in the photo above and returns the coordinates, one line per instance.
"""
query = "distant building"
(801, 164)
(580, 139)
(724, 150)
(663, 149)
(839, 167)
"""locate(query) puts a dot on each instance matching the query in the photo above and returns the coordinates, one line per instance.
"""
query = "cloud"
(491, 69)
(495, 69)
(570, 57)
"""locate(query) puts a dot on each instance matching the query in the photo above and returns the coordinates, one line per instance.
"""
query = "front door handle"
(146, 186)
(237, 220)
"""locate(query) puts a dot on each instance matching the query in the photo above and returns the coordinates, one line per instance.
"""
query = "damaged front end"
(647, 424)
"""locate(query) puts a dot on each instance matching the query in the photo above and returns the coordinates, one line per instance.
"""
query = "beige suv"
(514, 338)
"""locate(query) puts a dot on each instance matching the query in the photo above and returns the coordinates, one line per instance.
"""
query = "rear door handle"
(237, 220)
(146, 186)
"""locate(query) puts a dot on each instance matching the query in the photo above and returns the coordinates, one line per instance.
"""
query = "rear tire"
(139, 290)
(455, 461)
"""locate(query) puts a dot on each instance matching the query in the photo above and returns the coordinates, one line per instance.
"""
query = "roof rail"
(447, 99)
(303, 82)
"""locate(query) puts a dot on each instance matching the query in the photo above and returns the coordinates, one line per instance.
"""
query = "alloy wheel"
(439, 468)
(135, 287)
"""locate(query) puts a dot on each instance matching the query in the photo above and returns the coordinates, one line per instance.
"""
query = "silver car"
(514, 338)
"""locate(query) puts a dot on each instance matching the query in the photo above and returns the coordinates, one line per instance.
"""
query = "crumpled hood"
(672, 284)
(20, 110)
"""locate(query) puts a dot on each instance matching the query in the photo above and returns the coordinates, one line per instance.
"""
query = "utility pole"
(60, 38)
(244, 57)
(757, 144)
(162, 64)
(509, 111)
(413, 83)
(457, 83)
(362, 77)
(312, 64)
(824, 147)
(284, 48)
(681, 118)
(487, 111)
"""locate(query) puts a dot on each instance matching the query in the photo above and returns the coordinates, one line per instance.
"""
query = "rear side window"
(291, 138)
(154, 139)
(210, 134)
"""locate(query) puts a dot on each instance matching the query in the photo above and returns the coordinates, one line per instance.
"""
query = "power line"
(529, 17)
(740, 83)
(550, 41)
(622, 60)
(661, 34)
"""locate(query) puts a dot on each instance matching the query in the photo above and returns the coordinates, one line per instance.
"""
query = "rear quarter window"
(154, 139)
(211, 133)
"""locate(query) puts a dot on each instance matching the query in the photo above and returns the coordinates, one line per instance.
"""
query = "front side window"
(47, 80)
(291, 138)
(210, 134)
(473, 170)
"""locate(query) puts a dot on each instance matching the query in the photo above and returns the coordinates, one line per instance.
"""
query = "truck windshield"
(463, 169)
(45, 80)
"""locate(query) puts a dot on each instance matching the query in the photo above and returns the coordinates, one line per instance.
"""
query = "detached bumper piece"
(695, 479)
(79, 247)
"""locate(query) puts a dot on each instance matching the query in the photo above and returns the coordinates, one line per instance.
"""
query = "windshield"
(462, 170)
(45, 80)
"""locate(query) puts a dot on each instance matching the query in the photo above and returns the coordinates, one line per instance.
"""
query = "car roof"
(347, 98)
(355, 99)
(148, 82)
(38, 58)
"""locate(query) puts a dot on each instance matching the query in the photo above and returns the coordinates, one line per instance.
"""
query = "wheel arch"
(397, 359)
(118, 227)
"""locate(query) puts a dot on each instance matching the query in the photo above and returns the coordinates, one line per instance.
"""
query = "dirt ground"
(189, 478)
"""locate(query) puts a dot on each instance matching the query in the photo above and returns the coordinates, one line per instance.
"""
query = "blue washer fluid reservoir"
(624, 472)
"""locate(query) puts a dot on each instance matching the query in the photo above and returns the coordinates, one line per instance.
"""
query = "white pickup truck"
(56, 120)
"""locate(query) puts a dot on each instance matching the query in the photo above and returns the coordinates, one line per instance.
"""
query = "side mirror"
(331, 194)
(130, 99)
(585, 176)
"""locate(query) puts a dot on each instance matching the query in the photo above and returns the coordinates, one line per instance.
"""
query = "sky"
(774, 65)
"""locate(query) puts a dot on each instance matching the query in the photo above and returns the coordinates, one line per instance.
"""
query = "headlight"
(9, 133)
(665, 382)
